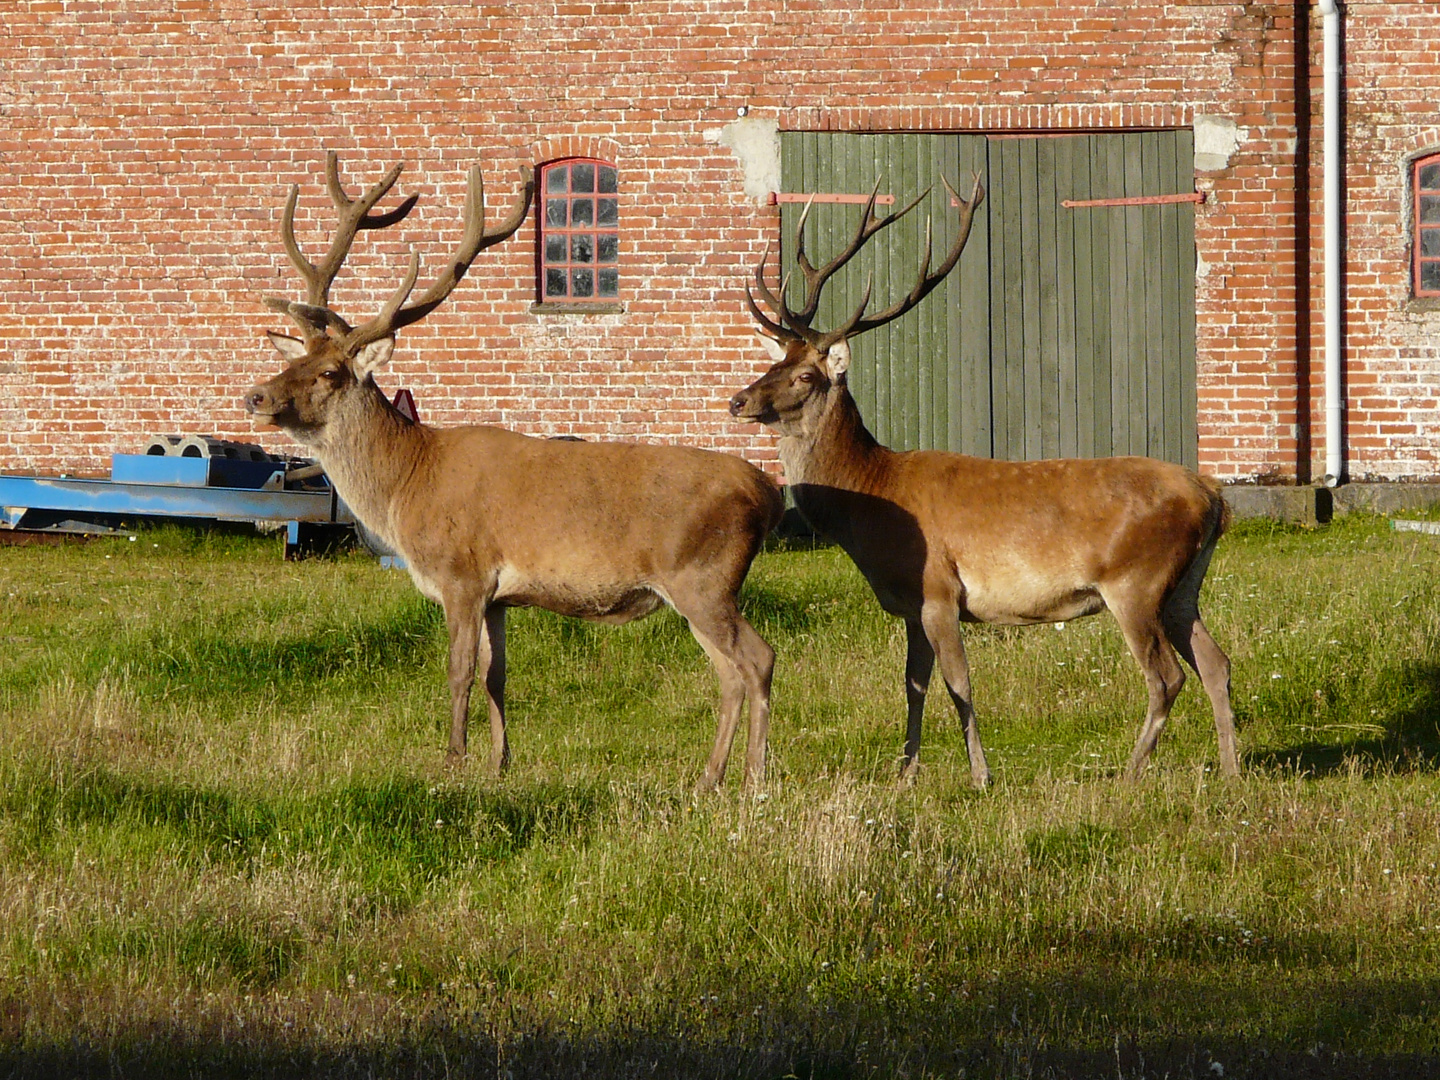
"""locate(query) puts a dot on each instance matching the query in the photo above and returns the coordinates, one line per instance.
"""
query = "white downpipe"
(1334, 257)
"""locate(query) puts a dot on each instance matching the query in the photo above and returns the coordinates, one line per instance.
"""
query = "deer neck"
(370, 452)
(833, 451)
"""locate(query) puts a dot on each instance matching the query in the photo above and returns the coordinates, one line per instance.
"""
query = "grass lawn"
(229, 845)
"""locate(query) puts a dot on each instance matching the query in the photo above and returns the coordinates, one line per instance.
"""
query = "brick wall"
(146, 147)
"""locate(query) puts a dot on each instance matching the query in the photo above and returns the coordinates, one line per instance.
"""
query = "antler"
(315, 316)
(396, 314)
(795, 326)
(354, 216)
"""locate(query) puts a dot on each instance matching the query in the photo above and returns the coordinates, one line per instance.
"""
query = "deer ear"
(772, 346)
(372, 357)
(289, 347)
(837, 360)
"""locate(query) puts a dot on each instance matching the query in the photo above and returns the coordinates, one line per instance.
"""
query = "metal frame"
(144, 487)
(544, 231)
(1419, 193)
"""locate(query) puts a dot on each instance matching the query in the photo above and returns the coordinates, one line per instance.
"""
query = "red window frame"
(1425, 192)
(578, 236)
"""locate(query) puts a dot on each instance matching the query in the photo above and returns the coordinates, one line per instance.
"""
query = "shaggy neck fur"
(370, 452)
(833, 448)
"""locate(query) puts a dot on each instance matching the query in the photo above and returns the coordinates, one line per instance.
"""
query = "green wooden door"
(1065, 331)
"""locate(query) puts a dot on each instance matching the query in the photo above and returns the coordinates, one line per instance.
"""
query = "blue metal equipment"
(212, 482)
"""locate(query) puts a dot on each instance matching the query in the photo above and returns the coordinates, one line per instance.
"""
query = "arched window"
(1426, 180)
(579, 232)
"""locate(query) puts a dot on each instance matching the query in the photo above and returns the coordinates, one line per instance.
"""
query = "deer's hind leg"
(745, 665)
(1140, 621)
(1188, 634)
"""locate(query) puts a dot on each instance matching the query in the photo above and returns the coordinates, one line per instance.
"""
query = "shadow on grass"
(1407, 739)
(394, 837)
(1089, 1026)
(203, 658)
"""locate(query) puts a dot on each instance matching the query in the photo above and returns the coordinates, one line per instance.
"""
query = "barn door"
(1068, 330)
(922, 381)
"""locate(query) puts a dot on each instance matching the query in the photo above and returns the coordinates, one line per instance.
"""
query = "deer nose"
(738, 403)
(256, 400)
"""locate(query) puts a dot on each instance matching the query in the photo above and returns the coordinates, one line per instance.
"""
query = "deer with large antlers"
(487, 519)
(943, 538)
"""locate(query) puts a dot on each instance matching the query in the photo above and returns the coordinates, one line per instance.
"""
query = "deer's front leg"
(942, 626)
(462, 619)
(919, 663)
(492, 662)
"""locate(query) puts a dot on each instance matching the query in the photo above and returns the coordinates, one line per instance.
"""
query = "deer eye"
(331, 375)
(806, 377)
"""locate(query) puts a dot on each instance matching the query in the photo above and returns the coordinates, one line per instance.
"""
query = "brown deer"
(488, 519)
(942, 537)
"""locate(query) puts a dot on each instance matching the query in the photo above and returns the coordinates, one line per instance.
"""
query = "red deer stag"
(942, 537)
(487, 519)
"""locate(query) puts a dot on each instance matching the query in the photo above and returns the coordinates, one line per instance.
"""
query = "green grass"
(229, 846)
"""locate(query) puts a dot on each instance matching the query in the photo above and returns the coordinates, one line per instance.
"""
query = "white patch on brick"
(756, 142)
(1216, 140)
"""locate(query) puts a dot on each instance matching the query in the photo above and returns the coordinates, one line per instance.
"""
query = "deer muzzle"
(261, 403)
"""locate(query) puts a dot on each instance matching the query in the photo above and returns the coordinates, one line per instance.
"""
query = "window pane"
(577, 195)
(1430, 177)
(1430, 276)
(1430, 242)
(1430, 209)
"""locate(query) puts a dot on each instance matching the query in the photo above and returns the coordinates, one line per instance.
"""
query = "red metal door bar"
(1137, 200)
(777, 197)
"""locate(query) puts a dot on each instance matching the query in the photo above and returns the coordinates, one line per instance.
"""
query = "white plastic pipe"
(1334, 257)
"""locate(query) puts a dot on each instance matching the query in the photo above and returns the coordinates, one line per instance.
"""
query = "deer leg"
(1193, 641)
(1163, 678)
(919, 663)
(492, 662)
(758, 668)
(462, 619)
(745, 664)
(732, 699)
(942, 627)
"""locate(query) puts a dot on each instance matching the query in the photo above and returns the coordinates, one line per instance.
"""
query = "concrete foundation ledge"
(1386, 498)
(1302, 505)
(1316, 505)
